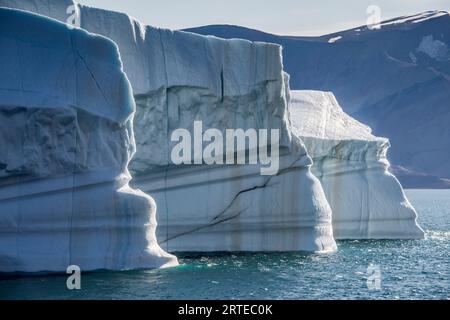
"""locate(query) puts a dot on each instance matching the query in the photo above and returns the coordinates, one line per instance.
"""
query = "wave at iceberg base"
(367, 201)
(66, 111)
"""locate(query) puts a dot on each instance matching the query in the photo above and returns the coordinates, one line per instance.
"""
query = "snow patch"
(413, 57)
(417, 18)
(334, 39)
(431, 16)
(434, 48)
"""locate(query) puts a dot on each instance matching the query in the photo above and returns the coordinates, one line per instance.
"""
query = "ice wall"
(178, 78)
(66, 137)
(367, 201)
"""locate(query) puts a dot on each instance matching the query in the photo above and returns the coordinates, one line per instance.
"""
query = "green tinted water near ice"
(412, 269)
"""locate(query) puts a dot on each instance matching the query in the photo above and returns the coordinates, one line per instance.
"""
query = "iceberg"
(179, 78)
(395, 79)
(366, 199)
(66, 133)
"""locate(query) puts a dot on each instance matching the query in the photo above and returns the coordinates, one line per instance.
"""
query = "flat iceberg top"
(85, 70)
(317, 114)
(158, 58)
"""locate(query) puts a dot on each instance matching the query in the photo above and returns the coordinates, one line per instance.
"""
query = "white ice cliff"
(179, 78)
(66, 138)
(367, 201)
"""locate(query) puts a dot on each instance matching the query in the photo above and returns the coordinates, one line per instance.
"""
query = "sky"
(284, 17)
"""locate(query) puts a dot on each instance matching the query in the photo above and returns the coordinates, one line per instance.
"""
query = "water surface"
(410, 269)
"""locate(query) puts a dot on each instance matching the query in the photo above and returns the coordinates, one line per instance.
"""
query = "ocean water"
(410, 269)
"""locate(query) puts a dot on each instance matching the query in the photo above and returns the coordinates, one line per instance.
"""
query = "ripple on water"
(410, 269)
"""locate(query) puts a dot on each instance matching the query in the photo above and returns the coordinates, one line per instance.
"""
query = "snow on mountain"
(395, 79)
(415, 18)
(367, 201)
(66, 136)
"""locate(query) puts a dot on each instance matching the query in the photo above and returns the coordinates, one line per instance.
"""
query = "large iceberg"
(367, 201)
(66, 136)
(179, 78)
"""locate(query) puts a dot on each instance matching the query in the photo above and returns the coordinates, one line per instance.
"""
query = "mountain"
(395, 79)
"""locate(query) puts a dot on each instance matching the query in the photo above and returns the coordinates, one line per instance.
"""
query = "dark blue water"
(411, 269)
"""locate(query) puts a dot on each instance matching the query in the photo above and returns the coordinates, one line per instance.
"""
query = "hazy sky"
(289, 17)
